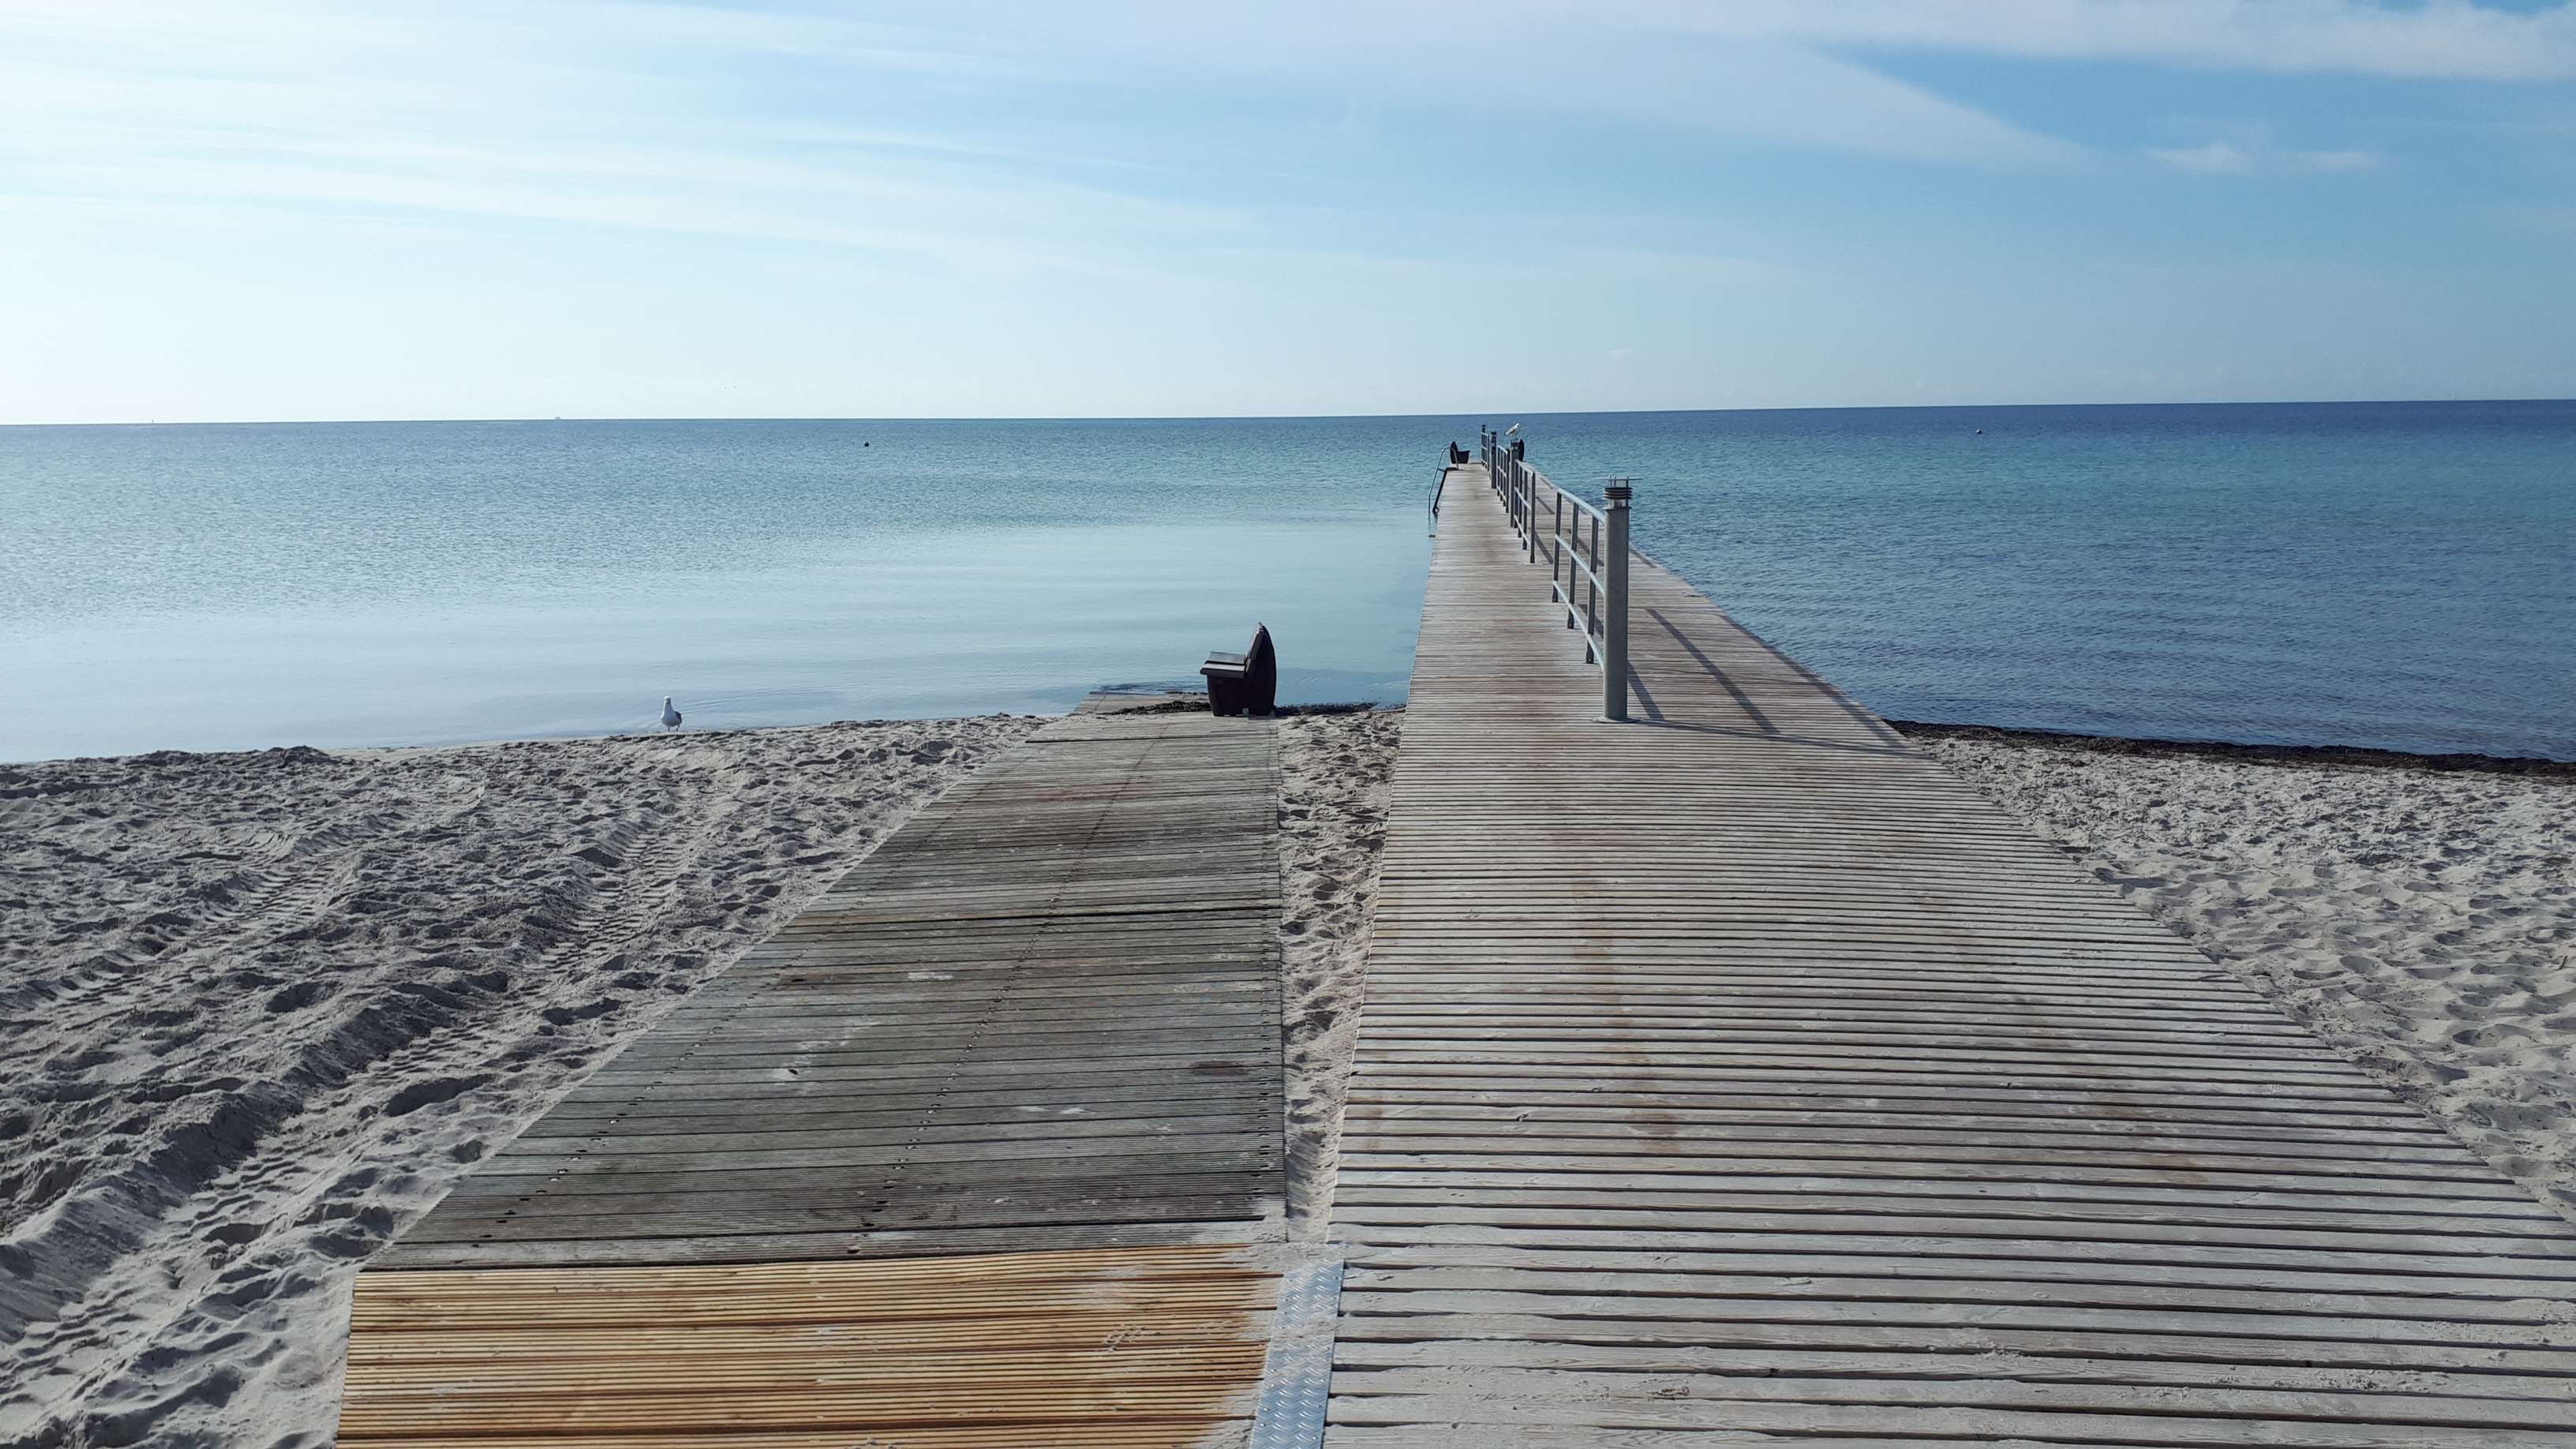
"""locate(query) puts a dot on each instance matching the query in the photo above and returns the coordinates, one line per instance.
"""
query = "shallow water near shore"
(2391, 575)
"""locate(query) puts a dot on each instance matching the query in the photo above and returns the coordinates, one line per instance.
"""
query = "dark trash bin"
(1246, 683)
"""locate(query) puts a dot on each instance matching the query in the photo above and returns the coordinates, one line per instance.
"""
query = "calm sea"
(2401, 575)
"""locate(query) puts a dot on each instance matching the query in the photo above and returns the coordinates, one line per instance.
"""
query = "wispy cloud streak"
(2226, 158)
(2444, 39)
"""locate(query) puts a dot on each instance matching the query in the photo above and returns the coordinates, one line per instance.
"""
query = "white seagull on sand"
(670, 716)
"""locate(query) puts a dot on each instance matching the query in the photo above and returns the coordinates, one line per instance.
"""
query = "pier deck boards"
(1738, 1074)
(971, 1152)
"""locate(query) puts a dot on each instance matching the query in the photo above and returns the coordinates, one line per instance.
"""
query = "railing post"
(1592, 597)
(1614, 620)
(1556, 561)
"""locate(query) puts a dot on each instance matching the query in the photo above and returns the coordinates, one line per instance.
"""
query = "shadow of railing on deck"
(1742, 700)
(1892, 743)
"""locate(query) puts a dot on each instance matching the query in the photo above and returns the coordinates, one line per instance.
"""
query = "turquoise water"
(2401, 575)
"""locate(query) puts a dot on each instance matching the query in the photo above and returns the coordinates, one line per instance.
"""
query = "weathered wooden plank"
(1993, 1412)
(815, 1244)
(585, 1113)
(1516, 1148)
(776, 1131)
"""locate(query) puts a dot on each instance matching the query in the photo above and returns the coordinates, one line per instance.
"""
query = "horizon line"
(1258, 417)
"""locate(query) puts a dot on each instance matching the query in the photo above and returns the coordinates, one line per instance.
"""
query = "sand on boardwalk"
(1334, 772)
(258, 1011)
(2420, 919)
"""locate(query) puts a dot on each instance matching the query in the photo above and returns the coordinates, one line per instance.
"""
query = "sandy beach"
(263, 1009)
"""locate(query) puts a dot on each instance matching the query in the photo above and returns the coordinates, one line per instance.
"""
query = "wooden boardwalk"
(1737, 1075)
(973, 1151)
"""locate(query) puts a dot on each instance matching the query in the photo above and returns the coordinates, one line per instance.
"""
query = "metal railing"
(1584, 545)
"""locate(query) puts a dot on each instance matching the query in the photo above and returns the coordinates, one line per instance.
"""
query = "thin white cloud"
(2445, 39)
(2457, 39)
(1545, 59)
(664, 116)
(2227, 158)
(660, 116)
(834, 39)
(1796, 96)
(1782, 71)
(2218, 158)
(294, 109)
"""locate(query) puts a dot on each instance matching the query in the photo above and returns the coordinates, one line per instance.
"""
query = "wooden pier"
(1737, 1075)
(982, 1149)
(1727, 1075)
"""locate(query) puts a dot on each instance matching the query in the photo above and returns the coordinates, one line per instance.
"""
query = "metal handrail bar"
(1516, 482)
(1588, 574)
(1594, 585)
(1577, 499)
(1586, 616)
(1603, 562)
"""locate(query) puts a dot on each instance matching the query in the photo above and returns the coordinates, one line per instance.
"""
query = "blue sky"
(279, 210)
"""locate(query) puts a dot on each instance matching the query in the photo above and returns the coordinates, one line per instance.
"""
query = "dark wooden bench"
(1246, 683)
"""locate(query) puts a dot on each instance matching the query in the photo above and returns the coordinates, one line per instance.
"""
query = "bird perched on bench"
(670, 716)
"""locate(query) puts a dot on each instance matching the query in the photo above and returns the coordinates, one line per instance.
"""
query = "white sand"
(259, 1010)
(2422, 921)
(1332, 829)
